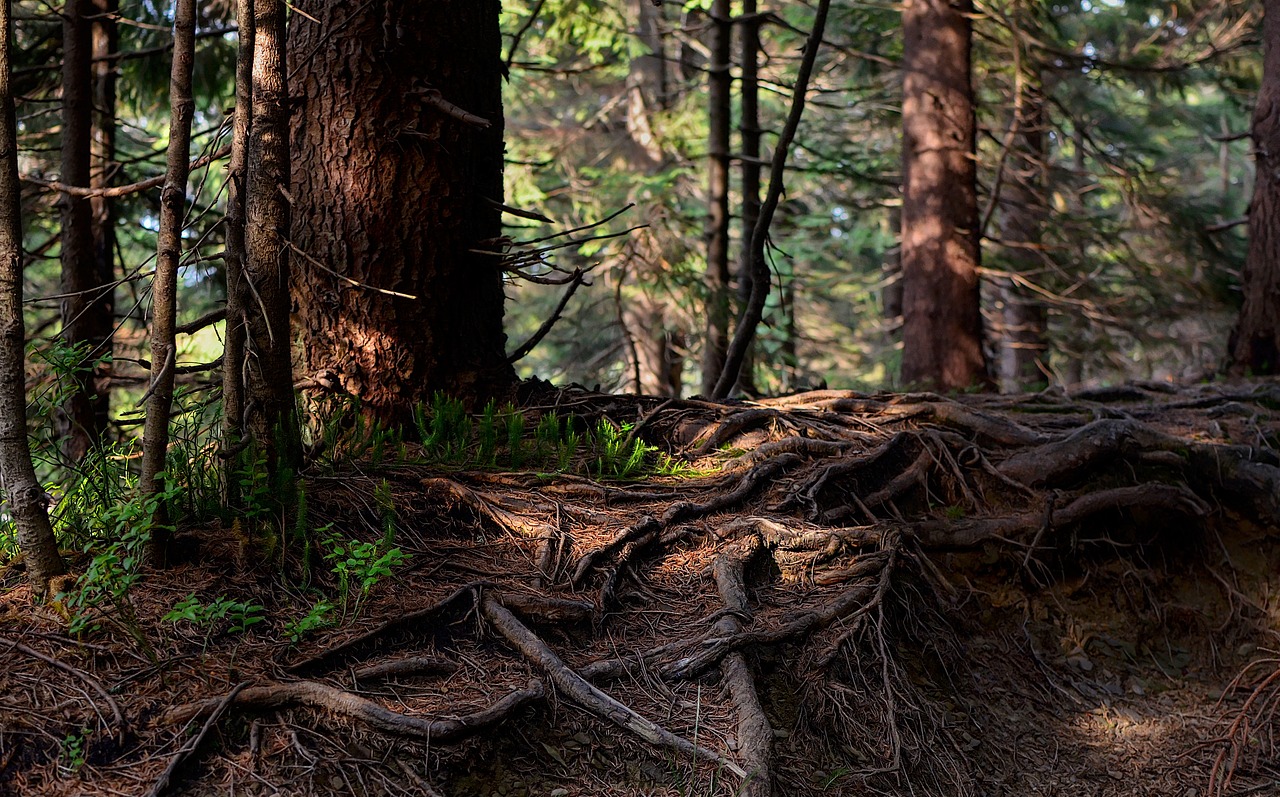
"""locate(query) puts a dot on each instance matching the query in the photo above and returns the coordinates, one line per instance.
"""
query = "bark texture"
(164, 300)
(397, 141)
(26, 501)
(719, 108)
(86, 321)
(1255, 342)
(233, 361)
(942, 325)
(264, 292)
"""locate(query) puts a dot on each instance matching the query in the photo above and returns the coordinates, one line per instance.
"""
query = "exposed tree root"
(577, 689)
(321, 696)
(810, 577)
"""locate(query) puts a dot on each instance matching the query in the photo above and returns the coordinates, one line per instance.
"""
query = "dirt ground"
(1111, 627)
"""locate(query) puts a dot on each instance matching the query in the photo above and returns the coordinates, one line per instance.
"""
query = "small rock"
(559, 792)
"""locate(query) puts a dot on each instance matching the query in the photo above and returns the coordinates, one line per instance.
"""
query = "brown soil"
(905, 595)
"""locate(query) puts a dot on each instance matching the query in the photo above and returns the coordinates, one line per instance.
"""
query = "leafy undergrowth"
(824, 594)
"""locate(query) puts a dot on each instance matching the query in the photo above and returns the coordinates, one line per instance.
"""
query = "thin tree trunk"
(749, 130)
(1022, 215)
(164, 300)
(273, 417)
(26, 501)
(84, 324)
(719, 88)
(103, 173)
(654, 352)
(1255, 341)
(942, 323)
(233, 361)
(754, 311)
(398, 156)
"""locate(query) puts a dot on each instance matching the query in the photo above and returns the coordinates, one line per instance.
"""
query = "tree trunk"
(103, 172)
(264, 297)
(942, 324)
(26, 501)
(1255, 341)
(1022, 215)
(84, 323)
(164, 300)
(719, 87)
(398, 151)
(749, 130)
(234, 363)
(654, 350)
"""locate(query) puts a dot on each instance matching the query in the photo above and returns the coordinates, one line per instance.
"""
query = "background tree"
(86, 314)
(397, 142)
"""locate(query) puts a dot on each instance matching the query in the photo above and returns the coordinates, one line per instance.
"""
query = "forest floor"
(838, 594)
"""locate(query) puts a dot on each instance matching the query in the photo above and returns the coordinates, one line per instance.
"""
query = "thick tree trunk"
(1022, 215)
(86, 321)
(397, 140)
(26, 501)
(719, 87)
(1255, 342)
(164, 300)
(942, 325)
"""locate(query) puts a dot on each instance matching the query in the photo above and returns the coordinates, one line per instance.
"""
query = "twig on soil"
(121, 726)
(189, 749)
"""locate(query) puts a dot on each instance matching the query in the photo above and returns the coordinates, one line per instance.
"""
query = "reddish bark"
(942, 325)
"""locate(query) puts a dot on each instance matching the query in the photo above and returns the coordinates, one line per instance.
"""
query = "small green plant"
(320, 615)
(74, 753)
(116, 566)
(238, 615)
(359, 567)
(615, 455)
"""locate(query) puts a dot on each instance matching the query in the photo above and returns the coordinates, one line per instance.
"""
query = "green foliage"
(359, 566)
(452, 438)
(238, 615)
(73, 753)
(101, 593)
(319, 616)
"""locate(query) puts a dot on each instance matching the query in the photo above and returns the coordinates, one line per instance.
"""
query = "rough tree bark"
(164, 300)
(26, 501)
(264, 289)
(86, 320)
(1255, 341)
(719, 89)
(397, 138)
(233, 360)
(1022, 216)
(942, 325)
